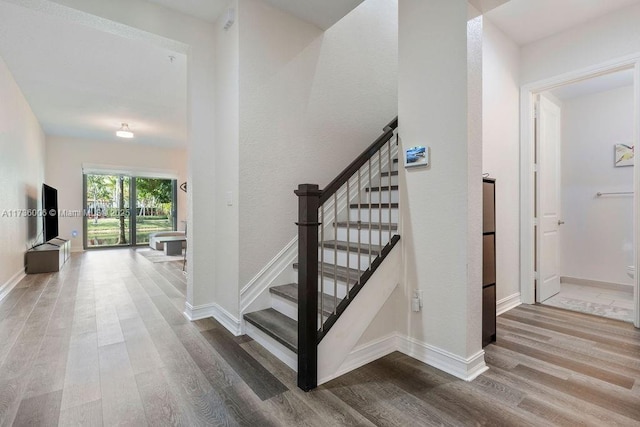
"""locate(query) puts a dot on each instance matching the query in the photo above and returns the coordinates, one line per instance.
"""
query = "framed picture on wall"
(623, 155)
(416, 156)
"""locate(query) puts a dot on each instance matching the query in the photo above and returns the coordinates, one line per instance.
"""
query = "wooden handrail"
(350, 170)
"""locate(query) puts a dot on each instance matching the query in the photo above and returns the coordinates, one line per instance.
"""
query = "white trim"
(636, 196)
(364, 354)
(466, 369)
(287, 356)
(527, 188)
(622, 287)
(11, 283)
(508, 303)
(213, 310)
(265, 277)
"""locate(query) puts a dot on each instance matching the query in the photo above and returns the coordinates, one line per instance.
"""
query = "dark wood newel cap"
(308, 190)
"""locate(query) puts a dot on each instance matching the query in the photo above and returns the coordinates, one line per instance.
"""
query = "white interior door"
(548, 199)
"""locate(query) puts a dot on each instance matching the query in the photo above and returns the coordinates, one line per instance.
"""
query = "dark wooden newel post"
(308, 203)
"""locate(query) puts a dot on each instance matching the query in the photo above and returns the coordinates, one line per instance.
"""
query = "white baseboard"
(364, 354)
(287, 356)
(11, 283)
(213, 310)
(506, 304)
(262, 281)
(466, 369)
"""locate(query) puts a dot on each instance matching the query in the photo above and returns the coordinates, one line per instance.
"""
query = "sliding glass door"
(110, 220)
(155, 207)
(107, 219)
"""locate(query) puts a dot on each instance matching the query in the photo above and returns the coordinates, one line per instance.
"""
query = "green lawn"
(106, 231)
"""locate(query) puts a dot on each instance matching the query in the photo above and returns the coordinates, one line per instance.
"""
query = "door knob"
(560, 222)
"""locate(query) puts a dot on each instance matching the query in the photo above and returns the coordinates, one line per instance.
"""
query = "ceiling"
(82, 82)
(209, 10)
(526, 21)
(594, 85)
(322, 13)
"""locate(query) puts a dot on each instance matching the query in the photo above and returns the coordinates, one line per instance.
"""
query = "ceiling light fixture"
(124, 131)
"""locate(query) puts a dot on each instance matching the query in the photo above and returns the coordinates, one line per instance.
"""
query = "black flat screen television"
(50, 212)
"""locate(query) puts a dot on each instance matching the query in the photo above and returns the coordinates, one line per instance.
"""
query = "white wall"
(227, 122)
(310, 102)
(500, 150)
(609, 37)
(441, 220)
(597, 237)
(65, 157)
(21, 178)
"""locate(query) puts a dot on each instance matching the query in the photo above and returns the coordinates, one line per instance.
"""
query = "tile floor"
(614, 304)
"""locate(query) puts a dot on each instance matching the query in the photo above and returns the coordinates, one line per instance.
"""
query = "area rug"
(611, 312)
(159, 256)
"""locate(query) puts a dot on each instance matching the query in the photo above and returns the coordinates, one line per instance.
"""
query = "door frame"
(528, 93)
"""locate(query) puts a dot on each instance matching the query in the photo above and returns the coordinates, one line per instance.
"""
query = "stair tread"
(354, 275)
(393, 173)
(290, 292)
(278, 326)
(365, 225)
(373, 205)
(352, 246)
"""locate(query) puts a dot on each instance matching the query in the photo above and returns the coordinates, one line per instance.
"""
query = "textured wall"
(226, 165)
(438, 213)
(310, 102)
(21, 176)
(608, 37)
(501, 151)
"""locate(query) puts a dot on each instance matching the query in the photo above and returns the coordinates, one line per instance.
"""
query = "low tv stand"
(48, 257)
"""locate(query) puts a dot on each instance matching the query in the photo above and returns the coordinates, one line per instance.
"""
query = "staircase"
(355, 227)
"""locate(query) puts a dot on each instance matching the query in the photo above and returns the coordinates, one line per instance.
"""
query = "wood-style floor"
(104, 342)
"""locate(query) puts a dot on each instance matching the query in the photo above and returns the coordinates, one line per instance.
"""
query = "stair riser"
(330, 257)
(329, 287)
(274, 347)
(364, 235)
(290, 308)
(375, 215)
(385, 180)
(383, 196)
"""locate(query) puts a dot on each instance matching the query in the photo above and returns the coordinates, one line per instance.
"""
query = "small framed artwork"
(416, 156)
(623, 155)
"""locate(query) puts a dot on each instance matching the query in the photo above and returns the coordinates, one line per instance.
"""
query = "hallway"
(104, 342)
